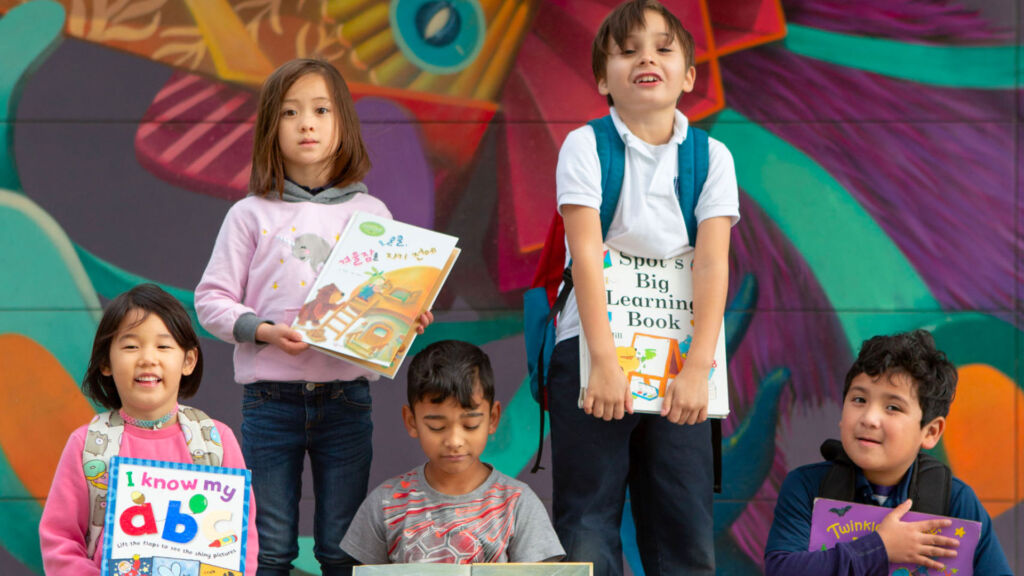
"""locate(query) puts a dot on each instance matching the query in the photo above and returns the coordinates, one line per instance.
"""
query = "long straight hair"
(350, 162)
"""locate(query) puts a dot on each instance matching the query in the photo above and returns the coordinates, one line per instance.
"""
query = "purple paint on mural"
(937, 21)
(400, 175)
(940, 190)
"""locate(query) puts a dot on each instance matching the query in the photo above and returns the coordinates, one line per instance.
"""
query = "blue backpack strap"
(611, 151)
(693, 172)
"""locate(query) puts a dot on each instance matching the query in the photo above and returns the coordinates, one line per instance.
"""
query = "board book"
(175, 518)
(381, 275)
(836, 521)
(650, 311)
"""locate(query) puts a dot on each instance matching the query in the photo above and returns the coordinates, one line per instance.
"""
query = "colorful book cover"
(650, 310)
(835, 521)
(380, 276)
(174, 518)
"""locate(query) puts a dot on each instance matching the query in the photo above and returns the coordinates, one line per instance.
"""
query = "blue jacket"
(786, 551)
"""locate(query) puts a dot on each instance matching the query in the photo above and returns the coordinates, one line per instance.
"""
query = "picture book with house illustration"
(174, 518)
(650, 310)
(837, 521)
(380, 276)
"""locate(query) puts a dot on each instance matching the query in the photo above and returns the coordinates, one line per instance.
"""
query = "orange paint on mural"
(42, 406)
(981, 426)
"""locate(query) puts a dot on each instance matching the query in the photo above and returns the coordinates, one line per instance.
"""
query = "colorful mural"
(876, 144)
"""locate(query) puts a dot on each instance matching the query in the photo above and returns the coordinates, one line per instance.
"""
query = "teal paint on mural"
(512, 446)
(19, 535)
(852, 257)
(111, 280)
(27, 34)
(986, 67)
(49, 282)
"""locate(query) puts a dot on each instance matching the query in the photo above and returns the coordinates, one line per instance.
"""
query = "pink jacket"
(66, 514)
(266, 259)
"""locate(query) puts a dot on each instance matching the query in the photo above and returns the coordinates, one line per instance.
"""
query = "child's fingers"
(898, 512)
(929, 563)
(666, 404)
(925, 526)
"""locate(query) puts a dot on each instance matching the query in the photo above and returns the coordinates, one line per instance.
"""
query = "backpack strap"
(930, 486)
(611, 151)
(103, 441)
(693, 172)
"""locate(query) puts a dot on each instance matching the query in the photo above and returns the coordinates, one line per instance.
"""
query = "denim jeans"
(667, 467)
(281, 422)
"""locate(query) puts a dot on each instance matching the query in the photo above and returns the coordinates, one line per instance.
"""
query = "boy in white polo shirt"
(643, 62)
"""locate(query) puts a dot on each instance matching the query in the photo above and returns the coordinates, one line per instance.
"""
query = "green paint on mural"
(46, 291)
(20, 535)
(27, 35)
(986, 67)
(857, 264)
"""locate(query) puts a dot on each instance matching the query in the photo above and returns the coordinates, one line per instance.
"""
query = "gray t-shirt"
(405, 520)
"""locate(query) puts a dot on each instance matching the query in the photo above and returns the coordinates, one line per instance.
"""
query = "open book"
(836, 521)
(650, 311)
(381, 275)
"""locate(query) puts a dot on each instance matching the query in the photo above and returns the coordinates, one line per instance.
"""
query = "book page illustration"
(372, 288)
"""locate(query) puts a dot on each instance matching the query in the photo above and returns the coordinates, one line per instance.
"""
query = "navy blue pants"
(281, 423)
(667, 468)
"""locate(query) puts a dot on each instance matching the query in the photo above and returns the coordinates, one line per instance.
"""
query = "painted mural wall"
(876, 145)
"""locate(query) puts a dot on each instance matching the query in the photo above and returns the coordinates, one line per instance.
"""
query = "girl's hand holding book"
(281, 336)
(425, 319)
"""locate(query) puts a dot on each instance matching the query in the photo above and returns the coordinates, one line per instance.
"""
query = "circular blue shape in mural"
(439, 36)
(438, 23)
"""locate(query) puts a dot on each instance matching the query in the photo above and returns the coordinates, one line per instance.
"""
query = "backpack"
(930, 485)
(543, 301)
(103, 440)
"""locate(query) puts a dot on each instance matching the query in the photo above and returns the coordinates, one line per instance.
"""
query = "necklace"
(149, 424)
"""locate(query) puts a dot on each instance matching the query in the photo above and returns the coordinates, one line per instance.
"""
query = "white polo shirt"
(648, 221)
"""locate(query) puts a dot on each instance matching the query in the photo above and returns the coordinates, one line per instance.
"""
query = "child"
(454, 508)
(144, 358)
(307, 165)
(895, 401)
(643, 62)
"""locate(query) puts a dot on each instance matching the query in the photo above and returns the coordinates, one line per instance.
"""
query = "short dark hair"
(914, 353)
(447, 369)
(351, 161)
(622, 21)
(148, 299)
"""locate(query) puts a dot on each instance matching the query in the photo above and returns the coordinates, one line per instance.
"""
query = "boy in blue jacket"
(895, 402)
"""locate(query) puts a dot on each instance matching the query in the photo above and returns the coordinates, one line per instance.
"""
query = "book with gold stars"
(834, 522)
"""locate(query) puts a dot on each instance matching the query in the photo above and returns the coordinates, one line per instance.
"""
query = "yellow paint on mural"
(235, 55)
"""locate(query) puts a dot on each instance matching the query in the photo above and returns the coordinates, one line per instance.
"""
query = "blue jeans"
(667, 467)
(281, 422)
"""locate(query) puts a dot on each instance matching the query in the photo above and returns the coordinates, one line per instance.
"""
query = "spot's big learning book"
(836, 521)
(381, 275)
(650, 311)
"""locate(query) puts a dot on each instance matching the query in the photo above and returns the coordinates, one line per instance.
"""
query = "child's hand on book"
(608, 393)
(686, 397)
(281, 336)
(915, 542)
(425, 319)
